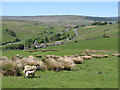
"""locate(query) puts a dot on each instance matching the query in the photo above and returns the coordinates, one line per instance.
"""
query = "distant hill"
(60, 19)
(101, 18)
(25, 27)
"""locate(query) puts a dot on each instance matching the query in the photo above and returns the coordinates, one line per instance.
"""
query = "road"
(76, 33)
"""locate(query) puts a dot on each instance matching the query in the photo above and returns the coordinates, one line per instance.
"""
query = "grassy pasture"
(97, 31)
(85, 75)
(26, 30)
(71, 48)
(95, 73)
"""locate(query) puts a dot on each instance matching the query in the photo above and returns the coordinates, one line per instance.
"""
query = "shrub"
(14, 46)
(76, 41)
(9, 68)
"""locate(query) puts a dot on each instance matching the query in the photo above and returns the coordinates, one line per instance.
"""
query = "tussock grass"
(15, 66)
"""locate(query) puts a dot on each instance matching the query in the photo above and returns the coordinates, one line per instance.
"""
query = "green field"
(85, 75)
(94, 73)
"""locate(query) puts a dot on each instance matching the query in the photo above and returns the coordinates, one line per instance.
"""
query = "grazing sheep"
(86, 57)
(31, 57)
(117, 55)
(78, 60)
(30, 68)
(28, 73)
(94, 51)
(99, 56)
(105, 56)
(48, 56)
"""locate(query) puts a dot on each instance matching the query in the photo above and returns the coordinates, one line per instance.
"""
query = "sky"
(99, 9)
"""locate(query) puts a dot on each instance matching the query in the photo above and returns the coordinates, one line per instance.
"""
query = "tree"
(105, 23)
(51, 33)
(36, 23)
(44, 32)
(76, 27)
(17, 40)
(82, 25)
(28, 42)
(46, 39)
(110, 23)
(14, 46)
(76, 41)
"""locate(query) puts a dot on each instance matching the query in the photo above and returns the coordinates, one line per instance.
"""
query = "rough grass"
(86, 75)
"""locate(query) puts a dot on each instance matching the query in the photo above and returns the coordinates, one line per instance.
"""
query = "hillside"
(88, 38)
(60, 19)
(27, 27)
(92, 73)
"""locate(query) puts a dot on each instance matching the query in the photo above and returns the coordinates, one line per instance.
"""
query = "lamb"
(30, 68)
(28, 73)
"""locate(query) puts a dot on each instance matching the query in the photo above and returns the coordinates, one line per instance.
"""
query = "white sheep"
(118, 55)
(30, 68)
(28, 73)
(86, 57)
(78, 60)
(99, 56)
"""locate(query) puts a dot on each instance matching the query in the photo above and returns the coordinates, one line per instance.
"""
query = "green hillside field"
(85, 75)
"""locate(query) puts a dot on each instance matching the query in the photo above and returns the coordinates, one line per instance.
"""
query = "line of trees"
(16, 40)
(99, 23)
(10, 32)
(13, 46)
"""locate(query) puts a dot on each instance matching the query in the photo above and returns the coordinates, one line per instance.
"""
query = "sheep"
(99, 56)
(118, 55)
(87, 51)
(31, 57)
(86, 57)
(28, 73)
(50, 56)
(30, 68)
(78, 60)
(47, 56)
